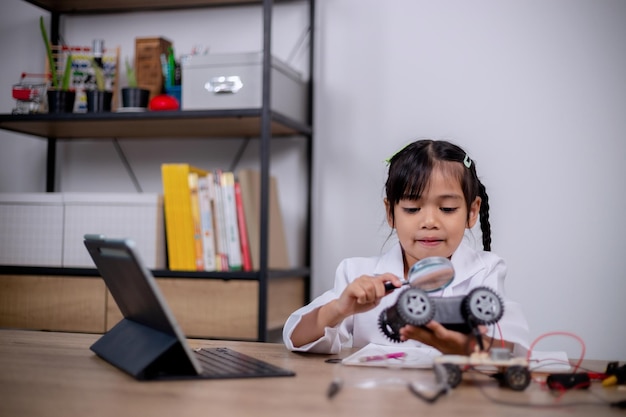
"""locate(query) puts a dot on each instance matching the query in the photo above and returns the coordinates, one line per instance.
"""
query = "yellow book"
(179, 227)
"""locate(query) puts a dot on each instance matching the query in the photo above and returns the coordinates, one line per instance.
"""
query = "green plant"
(99, 72)
(131, 76)
(67, 73)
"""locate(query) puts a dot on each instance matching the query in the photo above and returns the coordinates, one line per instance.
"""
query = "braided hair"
(410, 170)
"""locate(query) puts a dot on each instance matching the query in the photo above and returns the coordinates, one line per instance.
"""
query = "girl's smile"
(430, 241)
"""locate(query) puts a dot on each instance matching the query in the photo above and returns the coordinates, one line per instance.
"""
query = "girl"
(432, 195)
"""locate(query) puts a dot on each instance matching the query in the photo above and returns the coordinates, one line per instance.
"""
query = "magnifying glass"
(429, 274)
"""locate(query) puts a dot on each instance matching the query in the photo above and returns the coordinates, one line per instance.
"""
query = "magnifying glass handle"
(390, 287)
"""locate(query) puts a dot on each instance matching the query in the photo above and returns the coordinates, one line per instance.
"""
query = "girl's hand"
(364, 293)
(445, 340)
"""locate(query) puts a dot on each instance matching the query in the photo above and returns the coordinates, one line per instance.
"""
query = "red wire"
(501, 337)
(580, 340)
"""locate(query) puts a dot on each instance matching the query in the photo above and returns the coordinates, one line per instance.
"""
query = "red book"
(246, 258)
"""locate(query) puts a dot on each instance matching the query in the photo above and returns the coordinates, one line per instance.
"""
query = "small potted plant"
(133, 96)
(60, 96)
(98, 99)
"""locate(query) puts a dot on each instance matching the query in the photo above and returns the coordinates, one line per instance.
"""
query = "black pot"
(60, 101)
(135, 97)
(98, 101)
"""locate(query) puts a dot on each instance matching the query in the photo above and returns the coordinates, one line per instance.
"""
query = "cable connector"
(568, 381)
(616, 375)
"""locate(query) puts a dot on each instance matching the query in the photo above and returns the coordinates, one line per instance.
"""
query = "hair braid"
(485, 226)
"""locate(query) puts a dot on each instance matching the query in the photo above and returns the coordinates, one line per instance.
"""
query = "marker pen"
(395, 355)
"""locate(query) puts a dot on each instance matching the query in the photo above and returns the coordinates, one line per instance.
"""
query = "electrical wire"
(558, 393)
(502, 344)
(559, 333)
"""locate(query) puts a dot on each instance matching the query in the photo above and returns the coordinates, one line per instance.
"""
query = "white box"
(234, 81)
(135, 216)
(31, 229)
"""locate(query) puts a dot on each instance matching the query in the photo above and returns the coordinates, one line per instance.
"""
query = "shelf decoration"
(82, 74)
(60, 97)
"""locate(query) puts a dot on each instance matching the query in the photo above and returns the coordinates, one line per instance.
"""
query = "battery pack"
(568, 381)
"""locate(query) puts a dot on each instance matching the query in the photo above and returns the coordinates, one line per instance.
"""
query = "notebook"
(148, 343)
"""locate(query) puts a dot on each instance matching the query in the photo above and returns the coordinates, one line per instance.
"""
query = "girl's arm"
(363, 294)
(311, 326)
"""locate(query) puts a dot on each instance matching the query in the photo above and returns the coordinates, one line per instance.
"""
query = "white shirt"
(472, 269)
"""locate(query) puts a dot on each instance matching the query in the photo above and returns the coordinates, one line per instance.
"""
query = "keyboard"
(226, 363)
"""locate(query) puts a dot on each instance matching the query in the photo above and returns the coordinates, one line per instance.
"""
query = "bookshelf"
(263, 124)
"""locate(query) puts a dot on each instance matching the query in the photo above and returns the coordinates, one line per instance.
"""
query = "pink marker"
(396, 355)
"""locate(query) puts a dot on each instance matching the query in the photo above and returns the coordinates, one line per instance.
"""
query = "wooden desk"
(55, 374)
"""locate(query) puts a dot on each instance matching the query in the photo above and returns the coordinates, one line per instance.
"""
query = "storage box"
(31, 229)
(234, 81)
(149, 71)
(135, 216)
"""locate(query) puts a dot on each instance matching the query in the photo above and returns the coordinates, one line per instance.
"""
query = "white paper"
(414, 357)
(549, 362)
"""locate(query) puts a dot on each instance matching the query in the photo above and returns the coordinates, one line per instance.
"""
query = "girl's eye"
(449, 209)
(410, 210)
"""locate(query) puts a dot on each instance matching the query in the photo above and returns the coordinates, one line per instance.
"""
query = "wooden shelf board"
(160, 273)
(170, 124)
(112, 6)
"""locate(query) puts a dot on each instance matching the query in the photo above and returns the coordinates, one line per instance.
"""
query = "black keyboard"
(227, 363)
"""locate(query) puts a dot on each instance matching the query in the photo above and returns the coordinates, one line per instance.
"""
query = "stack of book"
(212, 220)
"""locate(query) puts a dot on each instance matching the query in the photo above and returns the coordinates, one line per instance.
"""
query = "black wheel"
(390, 325)
(415, 307)
(454, 374)
(517, 377)
(483, 306)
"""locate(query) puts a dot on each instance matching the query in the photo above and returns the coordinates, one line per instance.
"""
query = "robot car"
(461, 313)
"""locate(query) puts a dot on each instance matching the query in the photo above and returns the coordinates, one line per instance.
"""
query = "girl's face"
(434, 224)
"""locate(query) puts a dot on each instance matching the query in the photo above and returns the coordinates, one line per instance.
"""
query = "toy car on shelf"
(511, 372)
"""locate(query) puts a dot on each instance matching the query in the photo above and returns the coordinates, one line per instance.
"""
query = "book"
(206, 220)
(195, 220)
(246, 259)
(221, 242)
(250, 183)
(231, 228)
(179, 229)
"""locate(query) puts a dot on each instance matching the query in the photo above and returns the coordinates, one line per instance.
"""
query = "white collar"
(465, 261)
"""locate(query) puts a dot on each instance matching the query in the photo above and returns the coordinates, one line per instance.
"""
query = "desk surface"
(55, 374)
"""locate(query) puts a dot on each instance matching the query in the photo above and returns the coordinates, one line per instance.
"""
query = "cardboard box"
(31, 229)
(135, 216)
(149, 70)
(234, 81)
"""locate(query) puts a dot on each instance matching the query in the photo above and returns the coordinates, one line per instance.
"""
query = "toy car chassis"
(461, 313)
(510, 372)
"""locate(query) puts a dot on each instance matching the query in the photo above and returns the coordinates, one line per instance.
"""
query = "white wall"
(534, 90)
